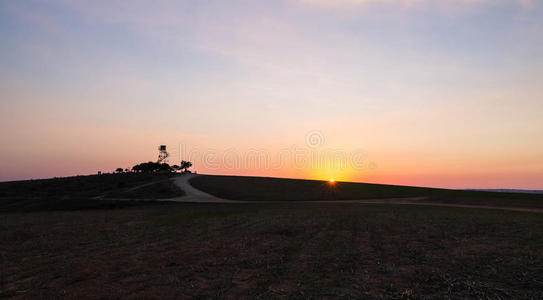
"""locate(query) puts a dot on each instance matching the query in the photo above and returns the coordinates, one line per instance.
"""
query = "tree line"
(154, 167)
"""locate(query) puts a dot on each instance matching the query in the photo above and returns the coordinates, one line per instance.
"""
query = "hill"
(92, 191)
(280, 189)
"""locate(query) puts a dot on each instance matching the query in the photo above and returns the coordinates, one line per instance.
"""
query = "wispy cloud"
(406, 3)
(338, 3)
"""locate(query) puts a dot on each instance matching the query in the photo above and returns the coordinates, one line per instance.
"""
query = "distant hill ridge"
(508, 191)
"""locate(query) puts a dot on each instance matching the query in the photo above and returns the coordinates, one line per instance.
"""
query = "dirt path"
(195, 195)
(192, 194)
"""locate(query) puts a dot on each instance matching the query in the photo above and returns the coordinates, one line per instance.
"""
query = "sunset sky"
(443, 93)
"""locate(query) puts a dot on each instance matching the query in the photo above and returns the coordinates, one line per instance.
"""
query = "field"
(310, 250)
(106, 237)
(279, 189)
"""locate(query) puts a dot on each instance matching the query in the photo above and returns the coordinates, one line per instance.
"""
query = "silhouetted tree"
(185, 165)
(147, 167)
(119, 170)
(164, 167)
(151, 167)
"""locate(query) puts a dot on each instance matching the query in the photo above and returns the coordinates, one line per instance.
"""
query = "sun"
(332, 180)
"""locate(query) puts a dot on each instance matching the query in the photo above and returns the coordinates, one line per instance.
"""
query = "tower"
(162, 154)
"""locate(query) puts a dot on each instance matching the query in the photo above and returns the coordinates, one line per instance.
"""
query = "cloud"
(407, 3)
(339, 3)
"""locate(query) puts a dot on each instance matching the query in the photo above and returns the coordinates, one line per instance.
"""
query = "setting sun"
(332, 180)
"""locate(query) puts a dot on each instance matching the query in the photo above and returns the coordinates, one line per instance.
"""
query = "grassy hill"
(280, 189)
(135, 189)
(79, 192)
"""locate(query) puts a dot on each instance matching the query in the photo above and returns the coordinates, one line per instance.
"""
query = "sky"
(442, 93)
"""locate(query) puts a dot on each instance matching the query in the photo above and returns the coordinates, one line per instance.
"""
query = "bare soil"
(290, 250)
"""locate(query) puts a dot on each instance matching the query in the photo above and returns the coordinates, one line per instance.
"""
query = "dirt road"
(192, 194)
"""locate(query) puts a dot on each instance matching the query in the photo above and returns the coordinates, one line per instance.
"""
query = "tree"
(119, 170)
(185, 165)
(164, 167)
(151, 167)
(147, 167)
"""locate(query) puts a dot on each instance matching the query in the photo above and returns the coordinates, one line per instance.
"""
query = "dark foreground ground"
(268, 251)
